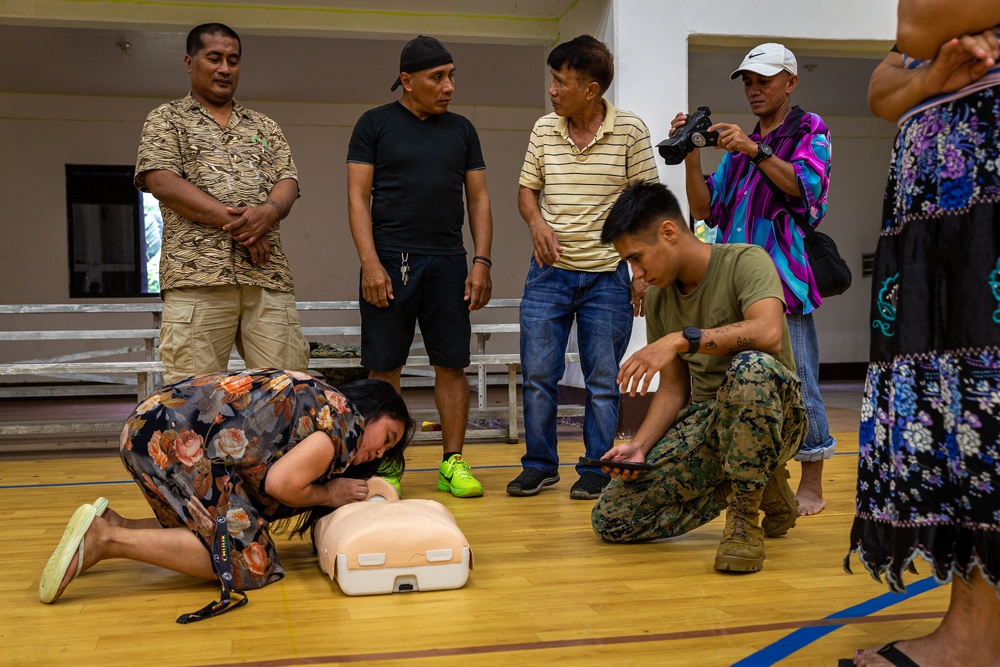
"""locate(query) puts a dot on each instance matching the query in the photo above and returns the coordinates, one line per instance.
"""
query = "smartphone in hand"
(620, 465)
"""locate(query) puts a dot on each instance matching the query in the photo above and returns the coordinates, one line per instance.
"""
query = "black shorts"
(434, 296)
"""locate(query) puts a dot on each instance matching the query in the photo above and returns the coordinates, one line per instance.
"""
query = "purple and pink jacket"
(745, 209)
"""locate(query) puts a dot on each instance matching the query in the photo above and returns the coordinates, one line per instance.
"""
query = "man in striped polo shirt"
(579, 160)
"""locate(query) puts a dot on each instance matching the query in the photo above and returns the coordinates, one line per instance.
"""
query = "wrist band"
(276, 205)
(485, 261)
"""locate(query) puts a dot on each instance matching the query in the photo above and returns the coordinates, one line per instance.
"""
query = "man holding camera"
(778, 173)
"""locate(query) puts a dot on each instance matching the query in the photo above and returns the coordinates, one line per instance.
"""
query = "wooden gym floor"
(544, 590)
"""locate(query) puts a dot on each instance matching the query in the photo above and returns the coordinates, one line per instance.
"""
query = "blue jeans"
(819, 444)
(551, 300)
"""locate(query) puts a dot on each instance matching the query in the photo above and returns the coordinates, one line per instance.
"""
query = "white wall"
(651, 45)
(43, 133)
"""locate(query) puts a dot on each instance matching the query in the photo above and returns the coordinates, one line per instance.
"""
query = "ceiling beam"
(456, 21)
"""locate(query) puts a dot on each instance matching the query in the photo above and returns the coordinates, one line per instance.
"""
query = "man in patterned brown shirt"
(224, 177)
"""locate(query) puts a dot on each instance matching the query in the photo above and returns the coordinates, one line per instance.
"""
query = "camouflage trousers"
(756, 422)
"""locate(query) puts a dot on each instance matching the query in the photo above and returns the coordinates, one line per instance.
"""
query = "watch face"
(693, 337)
(763, 152)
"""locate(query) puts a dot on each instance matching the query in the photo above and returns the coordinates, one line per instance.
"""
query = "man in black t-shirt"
(408, 166)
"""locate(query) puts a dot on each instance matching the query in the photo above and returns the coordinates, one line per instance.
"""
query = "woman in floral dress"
(929, 457)
(220, 457)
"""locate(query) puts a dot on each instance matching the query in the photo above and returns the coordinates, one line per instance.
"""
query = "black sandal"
(895, 656)
(890, 653)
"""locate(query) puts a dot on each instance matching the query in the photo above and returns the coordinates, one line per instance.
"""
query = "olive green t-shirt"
(738, 275)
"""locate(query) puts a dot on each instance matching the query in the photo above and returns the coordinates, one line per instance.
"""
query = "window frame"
(78, 177)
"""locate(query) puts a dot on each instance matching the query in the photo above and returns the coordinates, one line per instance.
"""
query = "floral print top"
(237, 165)
(206, 444)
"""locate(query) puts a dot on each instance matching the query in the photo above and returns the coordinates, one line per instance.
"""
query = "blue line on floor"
(802, 637)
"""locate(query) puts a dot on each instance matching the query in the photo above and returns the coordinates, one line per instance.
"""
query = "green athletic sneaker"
(455, 475)
(391, 474)
(394, 480)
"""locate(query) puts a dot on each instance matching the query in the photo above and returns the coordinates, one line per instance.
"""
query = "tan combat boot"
(742, 546)
(778, 504)
(724, 492)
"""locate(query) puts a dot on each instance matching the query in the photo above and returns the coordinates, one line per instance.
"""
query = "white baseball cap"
(768, 59)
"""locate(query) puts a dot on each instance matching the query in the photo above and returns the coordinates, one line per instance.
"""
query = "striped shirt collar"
(561, 125)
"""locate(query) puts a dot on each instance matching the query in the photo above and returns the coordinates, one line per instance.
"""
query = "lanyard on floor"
(222, 566)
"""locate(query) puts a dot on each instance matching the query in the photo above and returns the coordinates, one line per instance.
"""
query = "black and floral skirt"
(929, 456)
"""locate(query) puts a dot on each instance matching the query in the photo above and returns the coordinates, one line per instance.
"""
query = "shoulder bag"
(830, 270)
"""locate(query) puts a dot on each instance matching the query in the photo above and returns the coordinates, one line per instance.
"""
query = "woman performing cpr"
(220, 457)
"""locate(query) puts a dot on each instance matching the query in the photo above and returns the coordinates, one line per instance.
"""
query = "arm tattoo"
(743, 344)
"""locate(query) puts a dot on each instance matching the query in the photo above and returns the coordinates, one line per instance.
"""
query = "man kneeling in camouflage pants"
(715, 323)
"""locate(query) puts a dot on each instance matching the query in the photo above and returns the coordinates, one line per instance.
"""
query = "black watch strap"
(693, 336)
(763, 152)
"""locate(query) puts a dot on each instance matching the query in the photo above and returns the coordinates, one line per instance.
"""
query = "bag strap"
(807, 230)
(793, 118)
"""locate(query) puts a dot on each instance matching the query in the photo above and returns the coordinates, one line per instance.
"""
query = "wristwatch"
(763, 152)
(693, 336)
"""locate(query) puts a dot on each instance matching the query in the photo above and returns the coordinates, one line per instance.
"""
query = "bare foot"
(969, 634)
(810, 491)
(115, 519)
(91, 553)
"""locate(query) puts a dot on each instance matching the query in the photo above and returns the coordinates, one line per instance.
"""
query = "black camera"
(692, 134)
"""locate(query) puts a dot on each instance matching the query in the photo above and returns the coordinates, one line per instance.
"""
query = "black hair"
(640, 208)
(373, 399)
(588, 56)
(195, 42)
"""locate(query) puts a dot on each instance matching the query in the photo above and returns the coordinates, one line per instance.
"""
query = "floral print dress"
(928, 479)
(207, 443)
